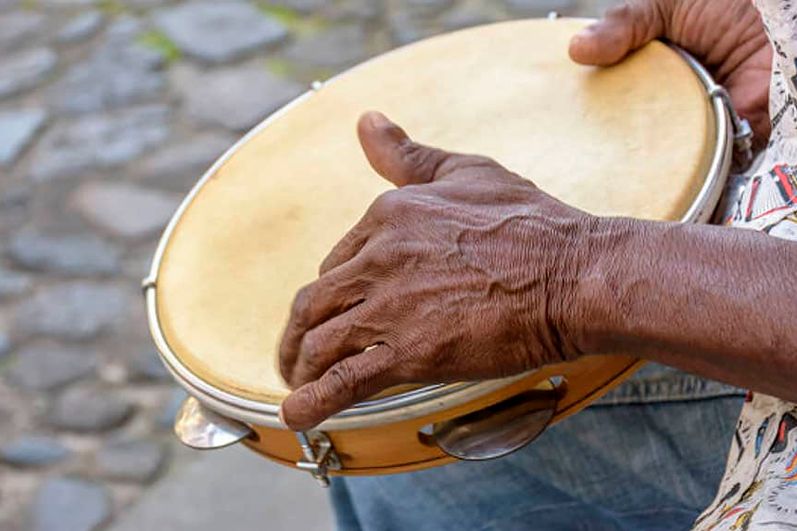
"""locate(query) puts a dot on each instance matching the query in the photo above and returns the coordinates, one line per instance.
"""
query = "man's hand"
(727, 37)
(463, 273)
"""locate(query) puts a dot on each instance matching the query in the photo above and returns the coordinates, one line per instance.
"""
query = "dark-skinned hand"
(462, 273)
(727, 37)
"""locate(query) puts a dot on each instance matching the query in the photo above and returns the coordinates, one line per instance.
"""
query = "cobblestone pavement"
(109, 111)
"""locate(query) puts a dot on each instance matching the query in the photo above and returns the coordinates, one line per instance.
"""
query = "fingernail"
(378, 119)
(282, 417)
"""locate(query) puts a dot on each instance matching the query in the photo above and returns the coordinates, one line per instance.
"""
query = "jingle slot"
(500, 429)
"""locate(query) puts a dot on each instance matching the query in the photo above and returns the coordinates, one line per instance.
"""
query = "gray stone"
(367, 10)
(464, 18)
(5, 345)
(17, 129)
(302, 6)
(237, 97)
(170, 408)
(70, 504)
(99, 141)
(125, 210)
(46, 367)
(81, 254)
(61, 3)
(25, 70)
(189, 158)
(335, 48)
(29, 452)
(80, 28)
(428, 7)
(219, 32)
(74, 310)
(13, 284)
(539, 8)
(405, 29)
(118, 73)
(148, 366)
(87, 409)
(134, 461)
(18, 27)
(145, 3)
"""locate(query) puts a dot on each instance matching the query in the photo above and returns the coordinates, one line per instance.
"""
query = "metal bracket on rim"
(742, 132)
(319, 455)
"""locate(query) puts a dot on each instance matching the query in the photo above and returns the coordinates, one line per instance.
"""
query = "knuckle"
(622, 12)
(300, 313)
(343, 381)
(390, 204)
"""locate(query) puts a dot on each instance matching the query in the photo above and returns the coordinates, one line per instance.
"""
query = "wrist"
(596, 314)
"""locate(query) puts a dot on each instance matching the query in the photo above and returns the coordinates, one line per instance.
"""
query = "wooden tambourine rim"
(429, 400)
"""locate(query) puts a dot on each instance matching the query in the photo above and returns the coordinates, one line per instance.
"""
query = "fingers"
(346, 335)
(347, 248)
(623, 29)
(351, 381)
(333, 294)
(394, 156)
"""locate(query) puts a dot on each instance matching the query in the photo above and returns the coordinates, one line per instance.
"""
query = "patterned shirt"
(759, 490)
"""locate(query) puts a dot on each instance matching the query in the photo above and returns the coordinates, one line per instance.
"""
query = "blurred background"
(109, 111)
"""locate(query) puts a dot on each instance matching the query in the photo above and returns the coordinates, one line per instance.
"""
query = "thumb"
(394, 156)
(622, 30)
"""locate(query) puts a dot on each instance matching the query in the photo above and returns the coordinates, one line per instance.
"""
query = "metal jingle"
(500, 429)
(203, 429)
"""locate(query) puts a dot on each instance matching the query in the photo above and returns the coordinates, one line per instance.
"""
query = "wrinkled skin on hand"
(463, 273)
(726, 36)
(468, 272)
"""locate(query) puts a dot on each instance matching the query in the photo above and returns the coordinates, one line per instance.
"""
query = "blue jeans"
(647, 457)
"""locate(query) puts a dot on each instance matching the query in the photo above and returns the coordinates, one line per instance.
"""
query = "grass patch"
(160, 42)
(111, 7)
(293, 20)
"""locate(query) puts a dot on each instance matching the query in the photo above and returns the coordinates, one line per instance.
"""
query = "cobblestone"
(80, 28)
(5, 345)
(71, 148)
(235, 97)
(148, 367)
(27, 452)
(133, 461)
(335, 49)
(125, 210)
(25, 70)
(186, 159)
(219, 32)
(17, 130)
(80, 254)
(48, 367)
(540, 8)
(119, 73)
(86, 409)
(76, 310)
(70, 504)
(18, 27)
(13, 284)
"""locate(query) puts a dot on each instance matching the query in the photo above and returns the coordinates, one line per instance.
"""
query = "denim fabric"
(632, 467)
(659, 383)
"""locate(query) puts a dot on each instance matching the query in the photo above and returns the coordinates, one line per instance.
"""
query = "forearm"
(715, 301)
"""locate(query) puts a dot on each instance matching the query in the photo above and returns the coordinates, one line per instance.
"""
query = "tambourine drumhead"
(633, 140)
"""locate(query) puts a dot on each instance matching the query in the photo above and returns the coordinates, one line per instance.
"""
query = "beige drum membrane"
(635, 140)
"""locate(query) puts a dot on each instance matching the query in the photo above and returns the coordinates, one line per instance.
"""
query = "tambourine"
(651, 137)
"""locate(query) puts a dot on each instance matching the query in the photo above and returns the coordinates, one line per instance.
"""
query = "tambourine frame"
(430, 399)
